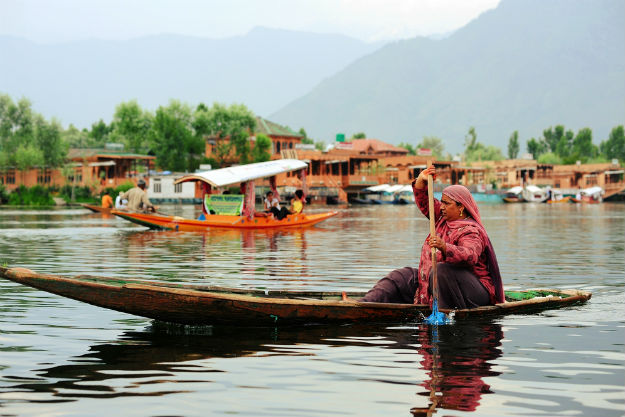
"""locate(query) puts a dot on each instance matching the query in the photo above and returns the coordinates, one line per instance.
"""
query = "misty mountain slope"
(81, 82)
(527, 65)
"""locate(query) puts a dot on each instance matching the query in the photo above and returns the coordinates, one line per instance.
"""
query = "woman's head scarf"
(462, 195)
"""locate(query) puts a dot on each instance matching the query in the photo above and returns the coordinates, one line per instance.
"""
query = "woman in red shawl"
(467, 269)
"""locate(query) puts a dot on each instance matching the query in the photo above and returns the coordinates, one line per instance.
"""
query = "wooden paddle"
(432, 233)
(436, 317)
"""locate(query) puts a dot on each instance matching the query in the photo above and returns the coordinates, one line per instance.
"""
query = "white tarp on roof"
(515, 190)
(242, 173)
(592, 191)
(405, 188)
(395, 188)
(378, 188)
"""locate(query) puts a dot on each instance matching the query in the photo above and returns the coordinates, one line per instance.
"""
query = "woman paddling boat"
(468, 273)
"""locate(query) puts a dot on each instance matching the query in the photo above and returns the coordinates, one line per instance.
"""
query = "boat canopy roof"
(395, 188)
(592, 191)
(534, 189)
(242, 173)
(515, 190)
(378, 188)
(405, 188)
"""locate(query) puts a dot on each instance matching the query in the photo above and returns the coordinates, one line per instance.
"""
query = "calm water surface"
(61, 357)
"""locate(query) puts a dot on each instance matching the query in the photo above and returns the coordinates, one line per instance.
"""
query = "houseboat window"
(10, 177)
(157, 186)
(78, 175)
(277, 147)
(290, 145)
(43, 176)
(178, 188)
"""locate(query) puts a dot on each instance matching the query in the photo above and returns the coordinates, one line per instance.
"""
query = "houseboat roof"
(270, 128)
(91, 153)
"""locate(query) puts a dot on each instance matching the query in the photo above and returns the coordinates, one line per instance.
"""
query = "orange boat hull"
(156, 221)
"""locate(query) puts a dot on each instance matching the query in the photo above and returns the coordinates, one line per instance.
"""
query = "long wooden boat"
(238, 212)
(206, 305)
(97, 209)
(161, 222)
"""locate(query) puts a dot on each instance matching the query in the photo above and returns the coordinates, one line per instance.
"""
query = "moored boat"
(513, 195)
(206, 305)
(534, 194)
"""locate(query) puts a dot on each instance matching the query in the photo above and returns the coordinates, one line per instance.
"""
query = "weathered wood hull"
(97, 209)
(197, 305)
(160, 222)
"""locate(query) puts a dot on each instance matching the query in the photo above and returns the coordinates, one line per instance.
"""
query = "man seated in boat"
(272, 205)
(138, 200)
(120, 204)
(467, 269)
(107, 201)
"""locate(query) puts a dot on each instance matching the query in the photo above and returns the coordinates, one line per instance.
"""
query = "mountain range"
(81, 82)
(526, 65)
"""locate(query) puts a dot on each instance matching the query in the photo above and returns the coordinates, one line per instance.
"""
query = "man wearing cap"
(138, 200)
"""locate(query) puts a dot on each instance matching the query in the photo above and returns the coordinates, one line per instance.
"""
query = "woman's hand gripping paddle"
(436, 317)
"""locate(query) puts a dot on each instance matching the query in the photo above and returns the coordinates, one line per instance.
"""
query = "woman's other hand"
(438, 243)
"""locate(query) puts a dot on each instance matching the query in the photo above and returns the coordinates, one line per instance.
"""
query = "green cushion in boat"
(528, 295)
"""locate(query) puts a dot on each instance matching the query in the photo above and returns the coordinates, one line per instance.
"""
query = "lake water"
(60, 357)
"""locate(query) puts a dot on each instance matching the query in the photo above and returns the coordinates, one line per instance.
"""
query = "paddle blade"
(436, 317)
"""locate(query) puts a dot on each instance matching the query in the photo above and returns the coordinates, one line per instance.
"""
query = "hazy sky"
(369, 20)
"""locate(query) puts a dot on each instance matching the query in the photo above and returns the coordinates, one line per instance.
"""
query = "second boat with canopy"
(233, 210)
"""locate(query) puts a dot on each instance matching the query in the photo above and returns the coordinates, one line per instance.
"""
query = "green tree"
(99, 133)
(27, 157)
(470, 140)
(172, 139)
(564, 146)
(359, 135)
(549, 158)
(614, 147)
(76, 138)
(411, 149)
(50, 142)
(536, 148)
(16, 128)
(433, 143)
(68, 172)
(476, 151)
(513, 145)
(305, 138)
(131, 125)
(236, 122)
(583, 148)
(260, 152)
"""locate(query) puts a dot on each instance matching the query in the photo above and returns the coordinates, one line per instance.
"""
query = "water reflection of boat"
(151, 362)
(204, 305)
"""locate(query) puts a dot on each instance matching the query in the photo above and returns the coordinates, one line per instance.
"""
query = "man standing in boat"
(138, 200)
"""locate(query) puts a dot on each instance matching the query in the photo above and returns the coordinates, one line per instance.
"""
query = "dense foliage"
(561, 146)
(26, 138)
